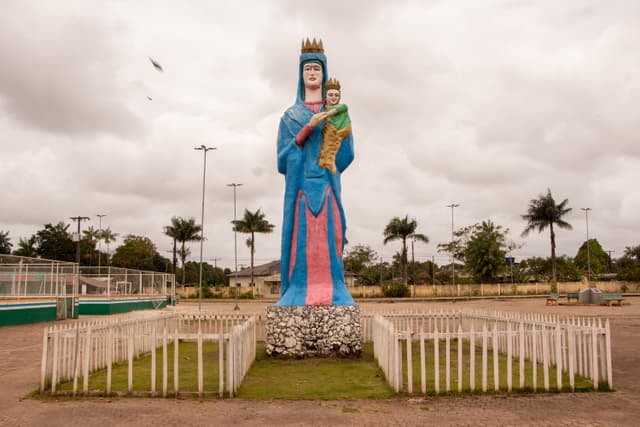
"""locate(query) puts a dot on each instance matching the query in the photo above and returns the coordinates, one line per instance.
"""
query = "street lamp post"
(235, 239)
(100, 239)
(586, 216)
(204, 149)
(79, 219)
(453, 260)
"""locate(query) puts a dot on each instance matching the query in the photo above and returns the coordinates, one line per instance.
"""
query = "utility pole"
(78, 219)
(453, 259)
(204, 149)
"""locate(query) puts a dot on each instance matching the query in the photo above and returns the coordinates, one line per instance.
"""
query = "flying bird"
(149, 98)
(156, 64)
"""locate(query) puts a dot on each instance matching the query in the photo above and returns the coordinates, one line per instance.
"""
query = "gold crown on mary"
(312, 46)
(332, 83)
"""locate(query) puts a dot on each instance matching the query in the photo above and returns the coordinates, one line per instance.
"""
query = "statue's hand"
(317, 118)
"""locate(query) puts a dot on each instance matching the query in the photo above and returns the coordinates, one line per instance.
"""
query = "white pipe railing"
(573, 346)
(72, 352)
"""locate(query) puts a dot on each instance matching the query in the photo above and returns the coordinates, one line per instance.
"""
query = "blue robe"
(310, 190)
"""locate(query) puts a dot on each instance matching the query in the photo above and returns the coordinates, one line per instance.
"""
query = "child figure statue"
(336, 128)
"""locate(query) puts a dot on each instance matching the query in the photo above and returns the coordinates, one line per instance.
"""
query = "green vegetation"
(315, 378)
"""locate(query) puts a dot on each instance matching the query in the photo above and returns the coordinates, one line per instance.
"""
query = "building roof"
(267, 269)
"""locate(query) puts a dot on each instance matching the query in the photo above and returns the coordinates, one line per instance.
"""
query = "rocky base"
(313, 331)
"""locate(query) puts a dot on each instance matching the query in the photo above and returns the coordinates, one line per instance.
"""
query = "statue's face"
(312, 75)
(333, 96)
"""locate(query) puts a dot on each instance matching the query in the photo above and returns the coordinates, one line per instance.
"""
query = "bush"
(396, 290)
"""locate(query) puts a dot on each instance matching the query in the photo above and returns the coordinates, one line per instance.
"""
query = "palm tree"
(108, 237)
(172, 231)
(91, 235)
(26, 247)
(186, 231)
(252, 222)
(542, 213)
(5, 242)
(401, 229)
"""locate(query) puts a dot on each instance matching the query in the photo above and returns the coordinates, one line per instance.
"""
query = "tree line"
(478, 252)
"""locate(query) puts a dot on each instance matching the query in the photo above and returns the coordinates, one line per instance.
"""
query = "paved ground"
(20, 350)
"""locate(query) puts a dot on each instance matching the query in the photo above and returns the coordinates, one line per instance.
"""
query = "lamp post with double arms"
(100, 216)
(204, 149)
(586, 217)
(453, 259)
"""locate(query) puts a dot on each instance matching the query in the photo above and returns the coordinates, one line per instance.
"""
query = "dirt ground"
(20, 352)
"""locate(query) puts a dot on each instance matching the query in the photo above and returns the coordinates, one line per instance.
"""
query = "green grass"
(316, 377)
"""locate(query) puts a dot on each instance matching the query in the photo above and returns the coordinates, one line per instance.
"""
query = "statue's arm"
(286, 143)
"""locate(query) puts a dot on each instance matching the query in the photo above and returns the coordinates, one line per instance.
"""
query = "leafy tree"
(186, 230)
(543, 212)
(137, 252)
(5, 243)
(402, 229)
(54, 242)
(252, 222)
(628, 266)
(359, 258)
(485, 251)
(26, 247)
(540, 269)
(597, 258)
(210, 275)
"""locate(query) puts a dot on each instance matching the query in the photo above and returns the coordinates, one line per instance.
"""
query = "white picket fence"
(570, 345)
(72, 352)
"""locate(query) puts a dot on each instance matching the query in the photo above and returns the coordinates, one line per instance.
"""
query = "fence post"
(460, 357)
(436, 361)
(200, 367)
(607, 331)
(423, 365)
(109, 350)
(509, 357)
(594, 357)
(521, 353)
(165, 367)
(484, 357)
(559, 366)
(472, 359)
(545, 357)
(409, 364)
(130, 361)
(176, 359)
(496, 366)
(45, 360)
(85, 365)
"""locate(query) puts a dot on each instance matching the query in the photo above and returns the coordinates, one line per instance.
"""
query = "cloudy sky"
(483, 104)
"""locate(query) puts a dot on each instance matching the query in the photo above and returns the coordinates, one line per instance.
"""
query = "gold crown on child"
(332, 83)
(312, 46)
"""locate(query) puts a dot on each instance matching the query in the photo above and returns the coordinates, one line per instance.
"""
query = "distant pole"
(204, 149)
(235, 240)
(453, 260)
(586, 216)
(433, 270)
(79, 219)
(100, 239)
(413, 266)
(610, 261)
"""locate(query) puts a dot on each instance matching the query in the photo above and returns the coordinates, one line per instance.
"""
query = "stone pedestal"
(313, 330)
